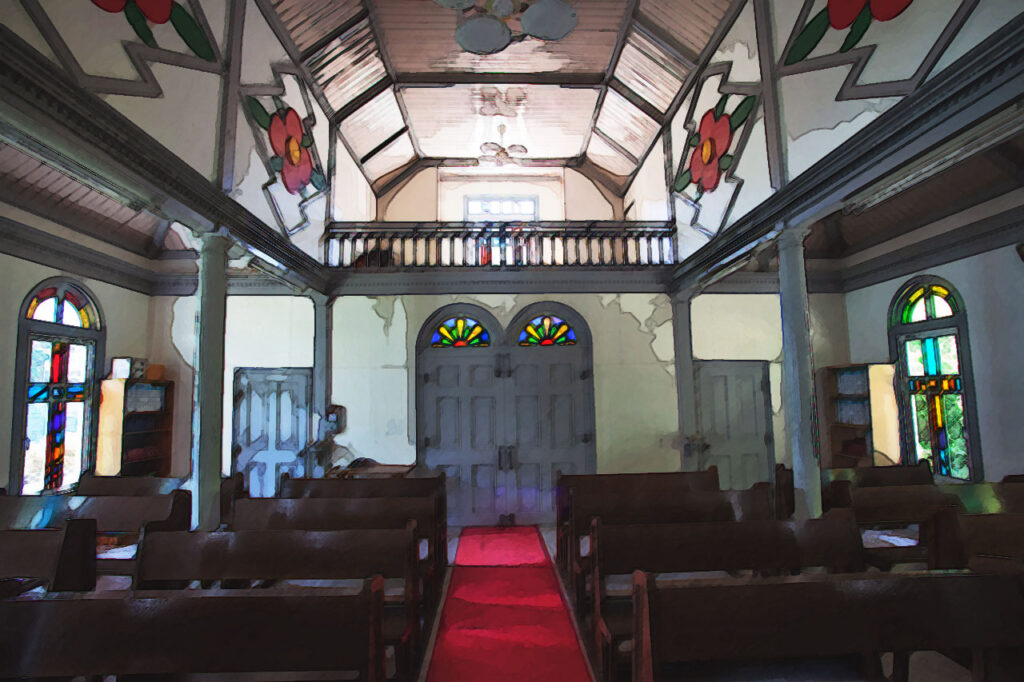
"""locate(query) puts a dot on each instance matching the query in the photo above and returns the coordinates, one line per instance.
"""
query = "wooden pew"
(166, 633)
(811, 616)
(656, 485)
(837, 482)
(90, 485)
(352, 513)
(766, 547)
(968, 540)
(114, 515)
(433, 487)
(61, 559)
(172, 560)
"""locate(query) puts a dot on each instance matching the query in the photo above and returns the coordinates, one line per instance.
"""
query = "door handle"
(508, 365)
(587, 438)
(501, 458)
(511, 450)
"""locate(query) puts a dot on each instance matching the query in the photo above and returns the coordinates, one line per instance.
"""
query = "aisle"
(504, 617)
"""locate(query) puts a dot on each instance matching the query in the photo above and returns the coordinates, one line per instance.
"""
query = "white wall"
(634, 373)
(124, 315)
(648, 193)
(992, 286)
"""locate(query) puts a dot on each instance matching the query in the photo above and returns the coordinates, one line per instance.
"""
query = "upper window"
(59, 339)
(460, 332)
(929, 332)
(501, 209)
(547, 330)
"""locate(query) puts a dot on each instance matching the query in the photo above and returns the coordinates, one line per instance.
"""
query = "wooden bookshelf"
(844, 416)
(144, 411)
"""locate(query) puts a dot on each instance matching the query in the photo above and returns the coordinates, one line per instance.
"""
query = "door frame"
(505, 337)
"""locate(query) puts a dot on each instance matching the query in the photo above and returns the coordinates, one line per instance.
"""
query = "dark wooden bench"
(983, 541)
(239, 558)
(173, 633)
(60, 559)
(351, 513)
(654, 485)
(836, 483)
(433, 487)
(765, 547)
(682, 628)
(125, 486)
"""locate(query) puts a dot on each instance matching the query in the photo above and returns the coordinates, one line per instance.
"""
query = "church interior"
(575, 340)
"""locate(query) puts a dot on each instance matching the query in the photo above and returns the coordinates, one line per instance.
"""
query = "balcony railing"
(422, 245)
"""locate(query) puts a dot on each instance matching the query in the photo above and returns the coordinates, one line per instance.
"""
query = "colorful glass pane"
(53, 472)
(949, 362)
(38, 393)
(547, 330)
(70, 315)
(35, 448)
(39, 361)
(74, 441)
(46, 311)
(942, 307)
(78, 357)
(922, 428)
(460, 332)
(915, 358)
(928, 304)
(955, 435)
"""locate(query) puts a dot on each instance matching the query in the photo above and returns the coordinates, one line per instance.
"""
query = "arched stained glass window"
(547, 330)
(928, 328)
(59, 337)
(460, 332)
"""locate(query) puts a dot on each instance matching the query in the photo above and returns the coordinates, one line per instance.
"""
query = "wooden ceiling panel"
(347, 65)
(550, 121)
(651, 71)
(627, 125)
(311, 21)
(373, 124)
(689, 23)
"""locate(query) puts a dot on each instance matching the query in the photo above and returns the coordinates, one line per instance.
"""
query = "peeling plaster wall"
(124, 313)
(172, 330)
(992, 286)
(374, 347)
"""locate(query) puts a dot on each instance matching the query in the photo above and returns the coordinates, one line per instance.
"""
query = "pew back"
(126, 486)
(64, 558)
(113, 514)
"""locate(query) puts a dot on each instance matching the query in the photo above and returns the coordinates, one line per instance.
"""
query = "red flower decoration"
(157, 11)
(286, 135)
(715, 138)
(842, 13)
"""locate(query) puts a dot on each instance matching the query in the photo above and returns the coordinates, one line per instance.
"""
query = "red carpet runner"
(504, 617)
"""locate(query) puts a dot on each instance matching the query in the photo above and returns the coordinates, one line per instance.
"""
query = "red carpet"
(504, 617)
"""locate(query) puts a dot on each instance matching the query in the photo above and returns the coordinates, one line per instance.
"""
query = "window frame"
(899, 333)
(501, 197)
(29, 328)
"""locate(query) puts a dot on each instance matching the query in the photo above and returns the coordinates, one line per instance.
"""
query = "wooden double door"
(502, 422)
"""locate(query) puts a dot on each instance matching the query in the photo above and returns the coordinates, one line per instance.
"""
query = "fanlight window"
(460, 332)
(930, 302)
(64, 306)
(547, 330)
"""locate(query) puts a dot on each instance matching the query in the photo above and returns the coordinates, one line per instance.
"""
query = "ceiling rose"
(487, 27)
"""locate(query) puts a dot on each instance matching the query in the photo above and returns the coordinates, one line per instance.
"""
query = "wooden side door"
(734, 414)
(270, 425)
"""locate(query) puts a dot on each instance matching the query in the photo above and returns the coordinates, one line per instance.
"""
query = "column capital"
(793, 236)
(215, 238)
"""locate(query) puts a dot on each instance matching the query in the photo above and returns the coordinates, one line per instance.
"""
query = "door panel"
(270, 425)
(734, 410)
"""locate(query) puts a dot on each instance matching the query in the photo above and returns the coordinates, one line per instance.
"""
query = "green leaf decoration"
(190, 32)
(809, 38)
(857, 30)
(280, 105)
(318, 180)
(277, 163)
(694, 140)
(307, 141)
(258, 112)
(138, 22)
(720, 107)
(683, 181)
(725, 162)
(742, 112)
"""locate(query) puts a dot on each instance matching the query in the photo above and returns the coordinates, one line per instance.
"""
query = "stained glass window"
(930, 369)
(547, 330)
(58, 387)
(460, 332)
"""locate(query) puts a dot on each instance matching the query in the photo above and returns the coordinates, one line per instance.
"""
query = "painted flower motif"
(855, 15)
(842, 13)
(286, 135)
(715, 138)
(140, 13)
(710, 157)
(290, 144)
(157, 11)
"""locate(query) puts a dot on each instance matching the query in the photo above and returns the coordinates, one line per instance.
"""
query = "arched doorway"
(503, 411)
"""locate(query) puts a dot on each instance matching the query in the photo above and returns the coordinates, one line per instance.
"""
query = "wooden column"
(209, 378)
(797, 367)
(321, 368)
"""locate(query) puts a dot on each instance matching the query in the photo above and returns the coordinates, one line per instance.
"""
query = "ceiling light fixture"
(496, 154)
(488, 27)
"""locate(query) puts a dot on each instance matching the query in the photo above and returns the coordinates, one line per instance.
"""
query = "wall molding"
(546, 280)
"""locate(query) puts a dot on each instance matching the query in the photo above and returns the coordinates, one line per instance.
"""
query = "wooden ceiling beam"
(444, 79)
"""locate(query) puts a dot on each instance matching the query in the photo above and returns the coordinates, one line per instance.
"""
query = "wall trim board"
(981, 82)
(499, 281)
(48, 111)
(988, 234)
